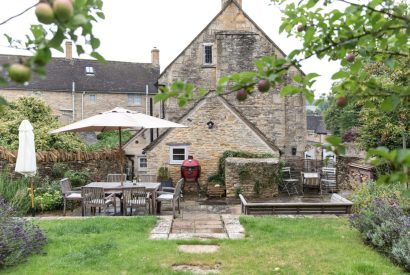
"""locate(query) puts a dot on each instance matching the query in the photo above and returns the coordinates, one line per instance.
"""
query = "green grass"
(272, 246)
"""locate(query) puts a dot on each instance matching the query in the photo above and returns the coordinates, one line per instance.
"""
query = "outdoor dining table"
(116, 187)
(311, 180)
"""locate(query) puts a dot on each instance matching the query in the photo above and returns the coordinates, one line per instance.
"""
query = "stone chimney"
(68, 50)
(155, 57)
(226, 2)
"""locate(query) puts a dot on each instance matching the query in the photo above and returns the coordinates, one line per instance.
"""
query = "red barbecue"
(191, 171)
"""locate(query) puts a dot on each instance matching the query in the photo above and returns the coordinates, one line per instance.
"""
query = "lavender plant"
(19, 238)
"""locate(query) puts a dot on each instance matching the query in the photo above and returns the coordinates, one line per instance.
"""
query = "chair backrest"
(116, 177)
(138, 193)
(286, 173)
(178, 188)
(147, 178)
(65, 186)
(93, 195)
(329, 173)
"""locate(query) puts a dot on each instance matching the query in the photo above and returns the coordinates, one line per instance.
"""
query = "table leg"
(154, 202)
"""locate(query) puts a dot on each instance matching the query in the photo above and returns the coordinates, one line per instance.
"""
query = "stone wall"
(98, 169)
(254, 177)
(62, 103)
(204, 144)
(237, 42)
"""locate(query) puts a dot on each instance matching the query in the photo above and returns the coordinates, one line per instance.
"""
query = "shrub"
(77, 178)
(48, 198)
(58, 170)
(401, 252)
(15, 191)
(384, 225)
(367, 193)
(18, 237)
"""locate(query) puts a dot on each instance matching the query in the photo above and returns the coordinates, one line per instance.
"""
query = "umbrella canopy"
(118, 118)
(26, 158)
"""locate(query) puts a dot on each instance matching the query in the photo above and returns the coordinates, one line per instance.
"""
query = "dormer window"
(208, 58)
(89, 70)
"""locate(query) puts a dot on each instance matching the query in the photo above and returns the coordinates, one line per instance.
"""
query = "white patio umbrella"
(26, 157)
(117, 119)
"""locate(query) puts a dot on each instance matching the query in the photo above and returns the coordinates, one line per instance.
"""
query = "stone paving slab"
(200, 236)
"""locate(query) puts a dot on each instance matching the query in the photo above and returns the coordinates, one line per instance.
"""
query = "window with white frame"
(177, 154)
(89, 70)
(142, 163)
(208, 58)
(92, 98)
(134, 100)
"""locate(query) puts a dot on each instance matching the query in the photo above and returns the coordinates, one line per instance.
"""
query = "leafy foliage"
(48, 197)
(18, 237)
(78, 178)
(15, 190)
(110, 140)
(41, 117)
(45, 38)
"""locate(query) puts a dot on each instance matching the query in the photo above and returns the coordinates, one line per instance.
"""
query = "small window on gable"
(142, 163)
(89, 70)
(92, 98)
(134, 100)
(178, 154)
(208, 58)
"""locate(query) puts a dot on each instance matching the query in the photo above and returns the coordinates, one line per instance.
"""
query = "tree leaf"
(390, 103)
(98, 57)
(339, 75)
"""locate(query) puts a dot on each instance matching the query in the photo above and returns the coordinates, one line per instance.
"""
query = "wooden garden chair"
(116, 177)
(70, 194)
(136, 197)
(174, 197)
(94, 197)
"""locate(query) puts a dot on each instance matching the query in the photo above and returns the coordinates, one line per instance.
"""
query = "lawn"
(272, 246)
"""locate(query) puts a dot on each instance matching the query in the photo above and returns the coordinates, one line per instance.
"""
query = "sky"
(133, 27)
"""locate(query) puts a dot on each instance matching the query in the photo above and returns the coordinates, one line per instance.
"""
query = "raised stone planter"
(252, 177)
(215, 191)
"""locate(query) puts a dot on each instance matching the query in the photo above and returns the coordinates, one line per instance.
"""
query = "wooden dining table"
(117, 187)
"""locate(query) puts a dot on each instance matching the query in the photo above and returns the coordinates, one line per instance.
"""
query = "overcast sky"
(133, 27)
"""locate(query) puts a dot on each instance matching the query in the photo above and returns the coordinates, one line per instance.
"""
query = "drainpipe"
(82, 105)
(73, 99)
(146, 99)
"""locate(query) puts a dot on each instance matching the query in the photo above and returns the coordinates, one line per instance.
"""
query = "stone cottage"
(79, 88)
(264, 123)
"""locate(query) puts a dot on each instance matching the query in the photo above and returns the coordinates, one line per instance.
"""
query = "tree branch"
(17, 15)
(376, 10)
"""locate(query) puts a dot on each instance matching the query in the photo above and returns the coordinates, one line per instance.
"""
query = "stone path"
(200, 226)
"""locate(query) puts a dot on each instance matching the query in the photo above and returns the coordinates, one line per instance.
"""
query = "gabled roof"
(212, 21)
(113, 77)
(230, 107)
(316, 123)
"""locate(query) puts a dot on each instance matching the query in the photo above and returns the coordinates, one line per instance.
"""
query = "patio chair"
(328, 179)
(136, 197)
(70, 194)
(289, 184)
(116, 177)
(174, 197)
(147, 178)
(94, 197)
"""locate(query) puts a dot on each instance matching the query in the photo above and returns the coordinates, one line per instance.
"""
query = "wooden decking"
(336, 205)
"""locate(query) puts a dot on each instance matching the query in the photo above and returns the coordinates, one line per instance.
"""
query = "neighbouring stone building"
(264, 123)
(80, 88)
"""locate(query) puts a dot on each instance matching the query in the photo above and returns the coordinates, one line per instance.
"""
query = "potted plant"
(164, 177)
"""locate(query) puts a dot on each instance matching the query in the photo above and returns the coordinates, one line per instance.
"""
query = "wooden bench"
(336, 205)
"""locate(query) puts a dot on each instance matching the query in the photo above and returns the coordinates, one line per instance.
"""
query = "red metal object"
(190, 170)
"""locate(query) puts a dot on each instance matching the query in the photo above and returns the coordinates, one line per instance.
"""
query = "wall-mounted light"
(210, 124)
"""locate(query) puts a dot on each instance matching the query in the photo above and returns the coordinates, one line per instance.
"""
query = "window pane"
(92, 98)
(208, 55)
(179, 157)
(134, 100)
(178, 151)
(143, 163)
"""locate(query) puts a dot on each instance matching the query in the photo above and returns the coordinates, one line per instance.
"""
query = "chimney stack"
(226, 2)
(155, 57)
(68, 50)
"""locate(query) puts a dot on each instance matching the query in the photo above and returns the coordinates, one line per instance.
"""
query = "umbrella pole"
(33, 210)
(120, 155)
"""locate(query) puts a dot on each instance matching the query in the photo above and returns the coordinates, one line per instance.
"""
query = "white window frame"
(133, 97)
(89, 70)
(92, 96)
(205, 45)
(171, 155)
(139, 163)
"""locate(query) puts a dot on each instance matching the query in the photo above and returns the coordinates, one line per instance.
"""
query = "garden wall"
(252, 177)
(98, 163)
